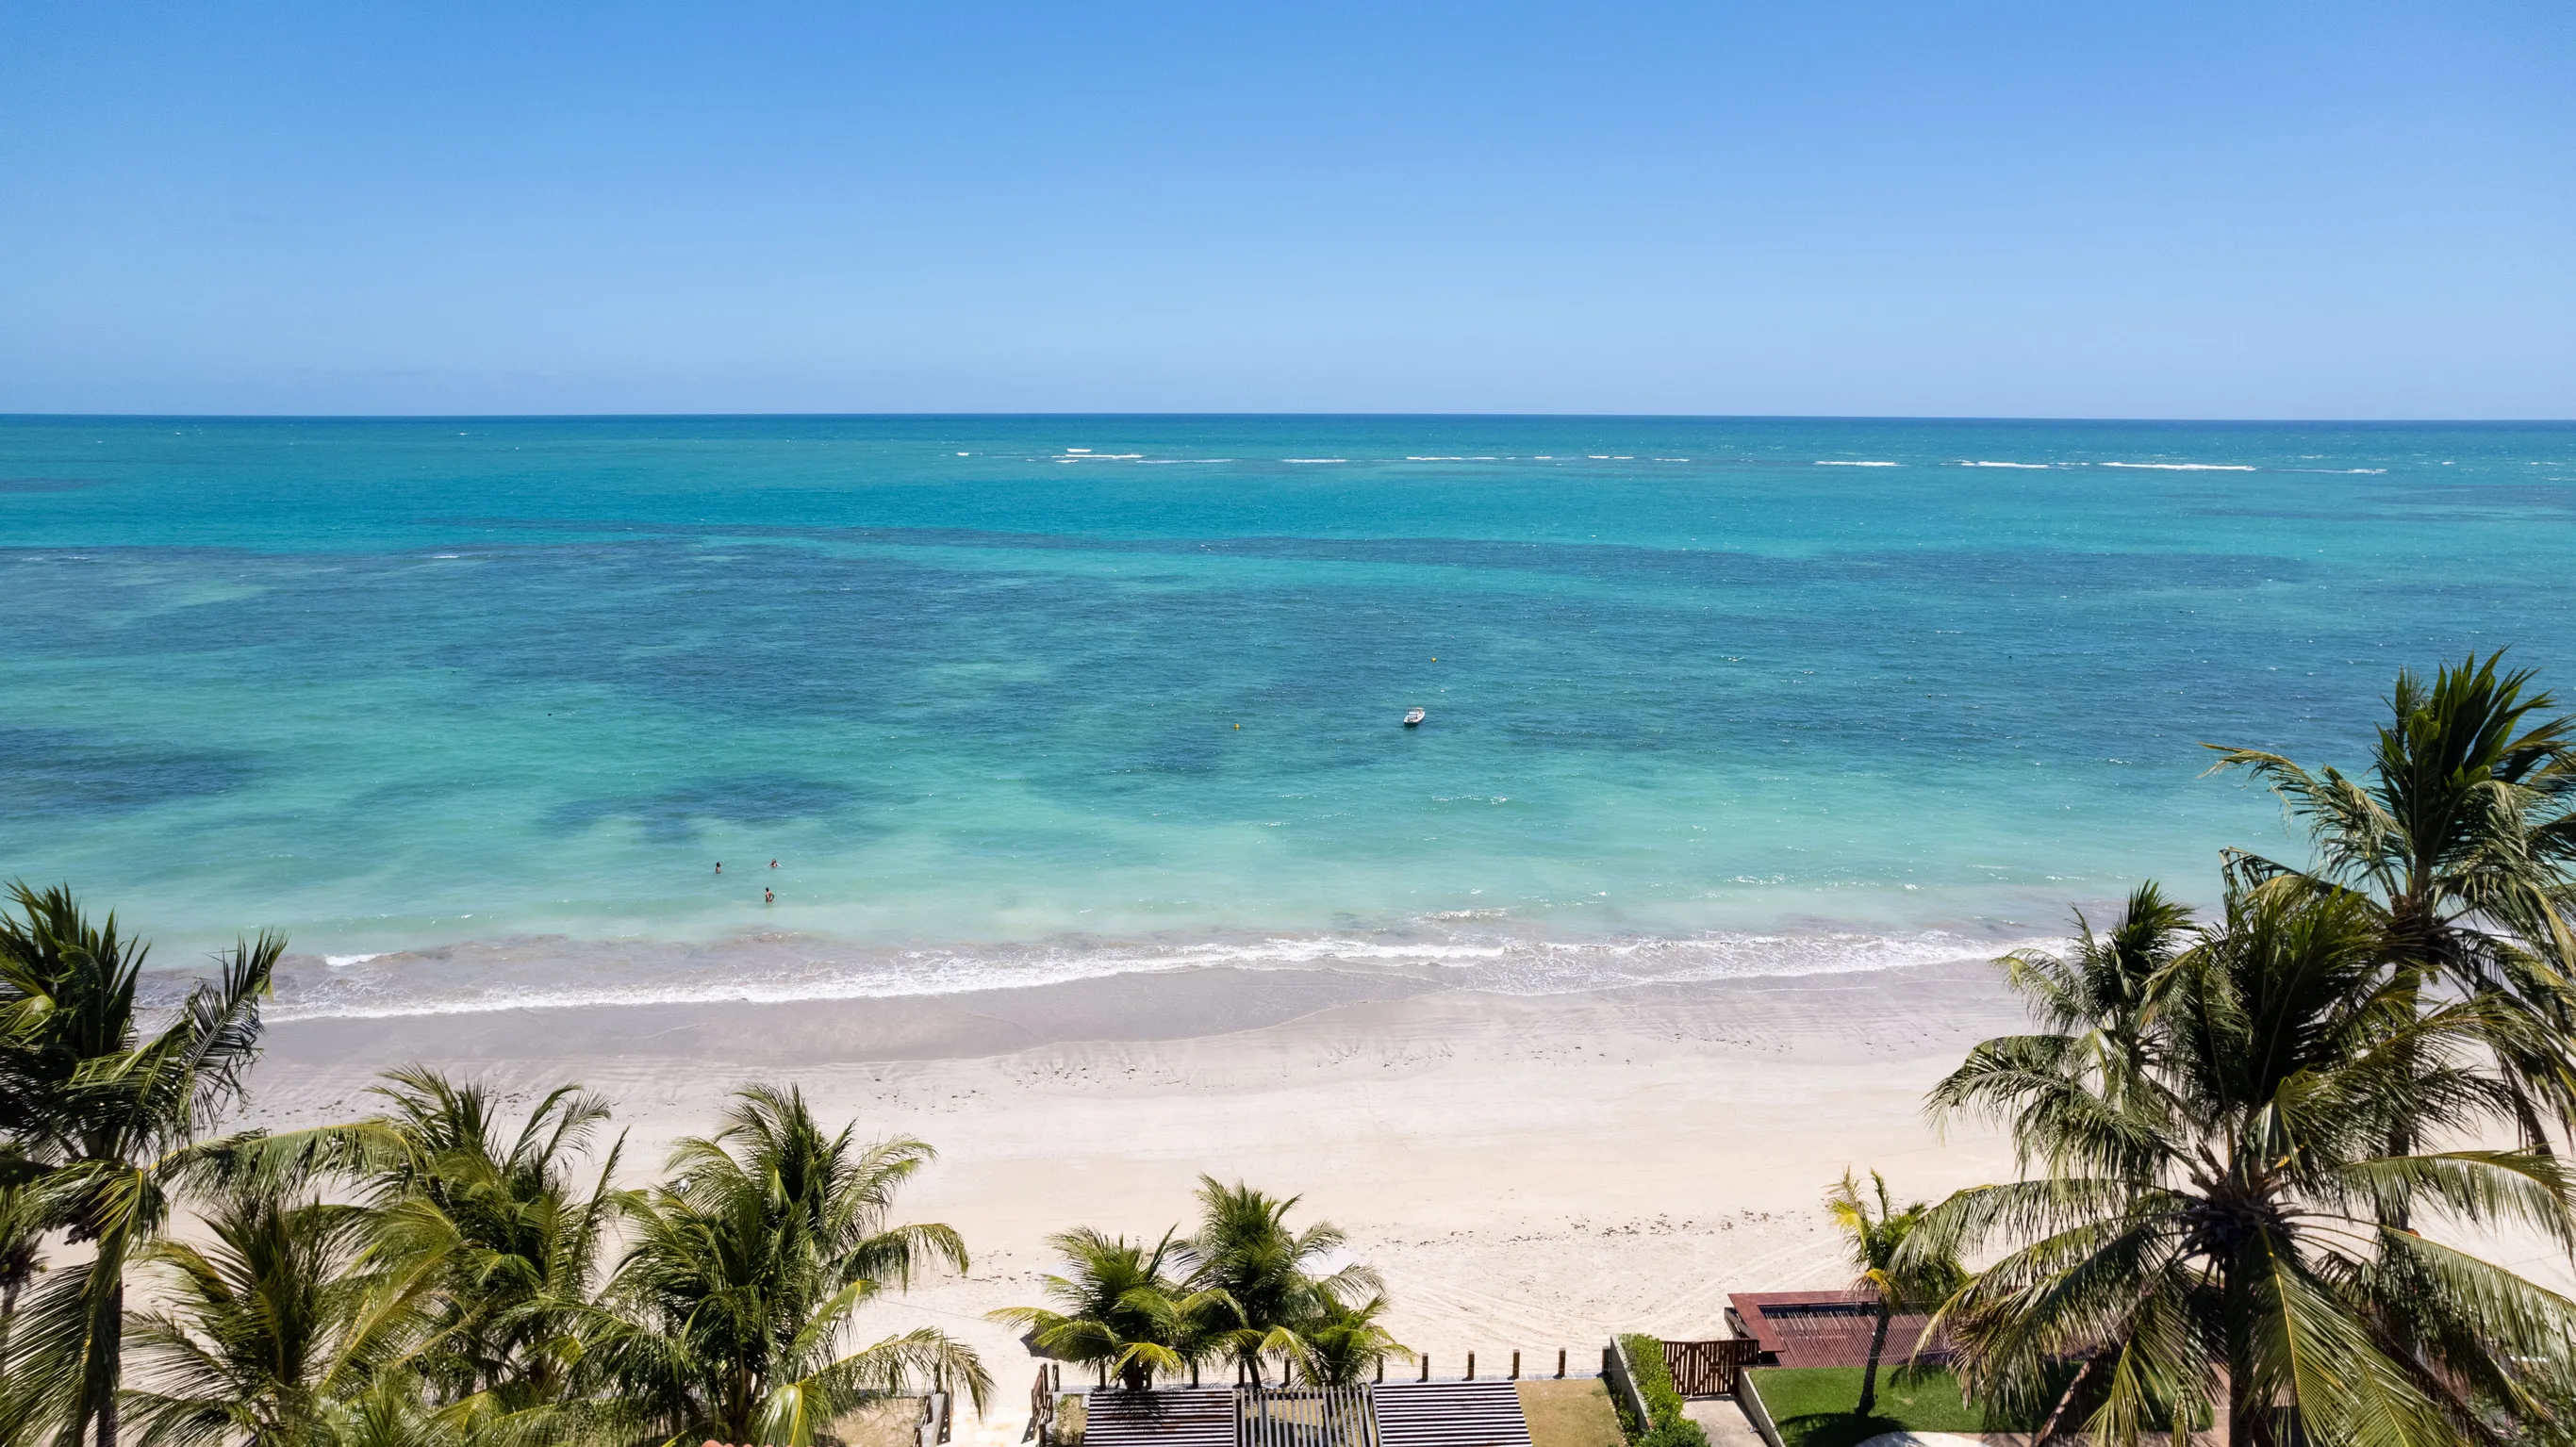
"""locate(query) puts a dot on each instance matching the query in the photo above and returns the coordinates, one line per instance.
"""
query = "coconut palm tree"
(399, 1408)
(1273, 1280)
(2220, 1233)
(2461, 834)
(23, 1220)
(493, 1209)
(270, 1326)
(109, 1114)
(497, 1213)
(747, 1269)
(1345, 1345)
(1117, 1307)
(1898, 1280)
(2096, 1009)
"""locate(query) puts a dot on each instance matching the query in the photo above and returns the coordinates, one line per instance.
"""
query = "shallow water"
(1007, 711)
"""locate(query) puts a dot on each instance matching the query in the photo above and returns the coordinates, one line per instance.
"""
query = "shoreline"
(1491, 952)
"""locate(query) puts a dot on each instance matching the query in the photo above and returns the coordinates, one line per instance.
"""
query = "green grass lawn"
(1812, 1406)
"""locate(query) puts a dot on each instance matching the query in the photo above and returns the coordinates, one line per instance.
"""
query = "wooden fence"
(1710, 1368)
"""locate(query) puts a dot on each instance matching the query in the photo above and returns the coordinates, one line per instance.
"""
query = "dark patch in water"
(57, 773)
(50, 484)
(2089, 571)
(675, 816)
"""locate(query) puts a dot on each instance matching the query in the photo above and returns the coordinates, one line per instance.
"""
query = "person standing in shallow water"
(768, 897)
(719, 866)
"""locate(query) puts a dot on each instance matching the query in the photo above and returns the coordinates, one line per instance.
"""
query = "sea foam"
(1469, 949)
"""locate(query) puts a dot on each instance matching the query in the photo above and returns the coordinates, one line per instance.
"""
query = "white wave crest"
(2187, 466)
(1471, 949)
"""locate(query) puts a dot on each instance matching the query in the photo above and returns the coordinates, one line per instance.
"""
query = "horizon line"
(6, 417)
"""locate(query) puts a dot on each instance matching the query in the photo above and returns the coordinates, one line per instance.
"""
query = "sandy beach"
(1530, 1173)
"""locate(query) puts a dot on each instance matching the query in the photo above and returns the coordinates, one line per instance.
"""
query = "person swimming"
(773, 864)
(719, 866)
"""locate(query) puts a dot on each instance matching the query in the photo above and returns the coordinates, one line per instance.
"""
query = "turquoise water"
(489, 699)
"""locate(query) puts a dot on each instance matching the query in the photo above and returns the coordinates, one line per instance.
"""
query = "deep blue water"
(492, 697)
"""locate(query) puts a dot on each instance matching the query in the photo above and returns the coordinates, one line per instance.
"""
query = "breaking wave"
(1467, 949)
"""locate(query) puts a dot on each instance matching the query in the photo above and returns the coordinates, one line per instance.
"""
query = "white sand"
(1529, 1173)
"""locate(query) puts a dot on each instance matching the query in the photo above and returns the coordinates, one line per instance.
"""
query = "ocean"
(472, 708)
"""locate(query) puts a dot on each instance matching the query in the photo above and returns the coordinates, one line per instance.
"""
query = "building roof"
(1828, 1328)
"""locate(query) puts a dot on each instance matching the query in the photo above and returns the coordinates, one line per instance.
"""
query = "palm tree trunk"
(738, 1406)
(1877, 1345)
(2249, 1421)
(108, 1363)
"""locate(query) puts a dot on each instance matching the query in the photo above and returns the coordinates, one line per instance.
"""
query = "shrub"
(1668, 1427)
(1675, 1432)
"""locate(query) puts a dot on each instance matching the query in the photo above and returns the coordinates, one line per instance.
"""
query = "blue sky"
(2047, 209)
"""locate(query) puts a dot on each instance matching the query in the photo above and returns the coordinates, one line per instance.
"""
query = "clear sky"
(2235, 209)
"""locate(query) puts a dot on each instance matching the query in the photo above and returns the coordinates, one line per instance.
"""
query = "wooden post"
(1058, 1374)
(1516, 1366)
(1560, 1364)
(1194, 1372)
(1381, 1369)
(1426, 1366)
(1471, 1366)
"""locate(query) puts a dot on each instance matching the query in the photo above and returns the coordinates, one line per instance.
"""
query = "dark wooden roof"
(1827, 1328)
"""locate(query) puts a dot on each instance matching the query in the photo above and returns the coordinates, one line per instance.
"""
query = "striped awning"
(1451, 1414)
(1391, 1414)
(1198, 1417)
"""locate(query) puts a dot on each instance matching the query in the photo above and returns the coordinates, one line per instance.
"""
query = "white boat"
(1412, 716)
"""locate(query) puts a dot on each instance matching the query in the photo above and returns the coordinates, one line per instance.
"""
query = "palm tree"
(398, 1409)
(492, 1210)
(747, 1268)
(1267, 1274)
(2461, 835)
(2096, 1011)
(2221, 1230)
(270, 1326)
(1345, 1345)
(2103, 996)
(109, 1114)
(1118, 1308)
(23, 1220)
(1897, 1280)
(497, 1213)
